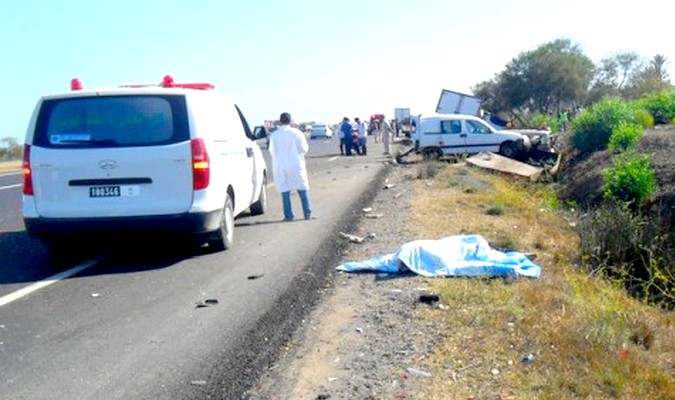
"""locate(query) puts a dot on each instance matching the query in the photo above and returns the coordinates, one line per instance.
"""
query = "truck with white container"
(451, 102)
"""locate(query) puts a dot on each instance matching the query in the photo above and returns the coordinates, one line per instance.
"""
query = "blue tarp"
(459, 255)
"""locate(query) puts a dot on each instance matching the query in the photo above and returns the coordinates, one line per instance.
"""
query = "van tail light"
(27, 173)
(201, 167)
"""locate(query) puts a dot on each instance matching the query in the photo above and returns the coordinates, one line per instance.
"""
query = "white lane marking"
(10, 173)
(6, 299)
(11, 186)
(333, 159)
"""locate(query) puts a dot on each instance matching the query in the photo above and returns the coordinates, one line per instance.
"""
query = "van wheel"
(508, 149)
(222, 238)
(431, 154)
(260, 206)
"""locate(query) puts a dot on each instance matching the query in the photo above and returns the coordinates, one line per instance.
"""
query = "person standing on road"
(385, 132)
(361, 147)
(375, 130)
(341, 136)
(288, 147)
(346, 129)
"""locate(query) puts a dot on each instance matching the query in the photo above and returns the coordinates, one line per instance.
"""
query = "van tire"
(260, 206)
(222, 238)
(508, 149)
(432, 153)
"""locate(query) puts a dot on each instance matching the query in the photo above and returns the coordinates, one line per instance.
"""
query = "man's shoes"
(288, 219)
(308, 217)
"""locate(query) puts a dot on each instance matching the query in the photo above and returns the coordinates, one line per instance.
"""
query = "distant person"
(341, 136)
(346, 129)
(385, 132)
(375, 130)
(563, 119)
(288, 147)
(361, 146)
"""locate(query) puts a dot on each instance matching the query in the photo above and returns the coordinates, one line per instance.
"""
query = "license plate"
(105, 191)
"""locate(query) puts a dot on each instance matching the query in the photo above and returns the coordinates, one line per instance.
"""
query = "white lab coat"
(385, 131)
(288, 147)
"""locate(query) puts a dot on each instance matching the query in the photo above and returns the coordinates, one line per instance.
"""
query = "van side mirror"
(259, 132)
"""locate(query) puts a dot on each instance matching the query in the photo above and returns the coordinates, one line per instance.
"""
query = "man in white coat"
(385, 131)
(288, 147)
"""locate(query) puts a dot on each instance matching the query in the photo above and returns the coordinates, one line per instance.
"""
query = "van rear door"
(112, 156)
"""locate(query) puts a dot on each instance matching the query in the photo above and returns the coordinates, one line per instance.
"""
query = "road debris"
(419, 372)
(206, 303)
(352, 238)
(429, 299)
(255, 276)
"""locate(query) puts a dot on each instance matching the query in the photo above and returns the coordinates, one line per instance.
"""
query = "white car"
(441, 134)
(320, 130)
(155, 159)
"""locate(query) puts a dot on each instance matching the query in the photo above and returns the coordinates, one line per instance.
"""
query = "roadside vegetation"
(10, 149)
(570, 334)
(599, 323)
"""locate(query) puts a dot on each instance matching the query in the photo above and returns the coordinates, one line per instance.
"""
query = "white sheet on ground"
(459, 255)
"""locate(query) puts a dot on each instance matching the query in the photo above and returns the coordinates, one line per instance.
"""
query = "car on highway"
(320, 130)
(168, 158)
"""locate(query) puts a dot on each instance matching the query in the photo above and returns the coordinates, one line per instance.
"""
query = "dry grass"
(588, 339)
(10, 166)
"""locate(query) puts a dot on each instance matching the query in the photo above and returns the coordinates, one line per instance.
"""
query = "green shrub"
(625, 136)
(631, 248)
(660, 105)
(593, 127)
(630, 179)
(642, 116)
(543, 121)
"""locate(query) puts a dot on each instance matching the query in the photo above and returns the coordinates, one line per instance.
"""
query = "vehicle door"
(429, 132)
(479, 137)
(112, 156)
(253, 167)
(452, 139)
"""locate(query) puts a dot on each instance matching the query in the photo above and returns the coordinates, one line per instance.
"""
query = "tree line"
(557, 77)
(10, 149)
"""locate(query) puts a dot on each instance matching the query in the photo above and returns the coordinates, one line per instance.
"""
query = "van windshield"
(112, 121)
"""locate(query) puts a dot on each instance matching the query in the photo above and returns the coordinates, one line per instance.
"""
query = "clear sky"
(318, 60)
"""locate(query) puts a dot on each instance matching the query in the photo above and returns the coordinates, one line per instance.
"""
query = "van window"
(244, 123)
(451, 126)
(477, 127)
(112, 121)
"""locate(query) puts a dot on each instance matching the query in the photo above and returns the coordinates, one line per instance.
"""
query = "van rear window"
(112, 121)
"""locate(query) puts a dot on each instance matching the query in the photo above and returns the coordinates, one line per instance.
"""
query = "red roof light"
(75, 84)
(168, 82)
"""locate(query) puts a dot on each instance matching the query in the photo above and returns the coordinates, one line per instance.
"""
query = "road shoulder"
(363, 339)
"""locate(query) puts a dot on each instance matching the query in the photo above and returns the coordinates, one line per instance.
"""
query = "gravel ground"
(364, 340)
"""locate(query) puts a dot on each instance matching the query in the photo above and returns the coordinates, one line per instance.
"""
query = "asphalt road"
(124, 321)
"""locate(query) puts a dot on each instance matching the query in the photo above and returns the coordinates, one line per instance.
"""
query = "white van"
(320, 130)
(174, 158)
(436, 135)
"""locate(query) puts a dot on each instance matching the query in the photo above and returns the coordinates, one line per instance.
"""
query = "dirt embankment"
(581, 177)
